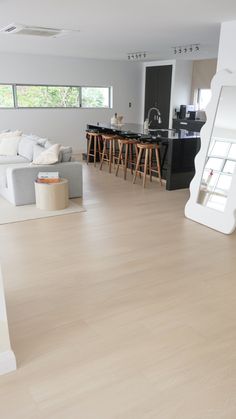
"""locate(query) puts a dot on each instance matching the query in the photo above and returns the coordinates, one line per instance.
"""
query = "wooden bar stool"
(148, 148)
(94, 146)
(109, 150)
(126, 146)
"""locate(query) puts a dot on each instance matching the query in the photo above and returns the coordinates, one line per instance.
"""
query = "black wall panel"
(158, 92)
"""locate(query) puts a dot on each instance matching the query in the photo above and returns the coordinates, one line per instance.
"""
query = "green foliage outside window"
(6, 96)
(36, 96)
(48, 97)
(95, 97)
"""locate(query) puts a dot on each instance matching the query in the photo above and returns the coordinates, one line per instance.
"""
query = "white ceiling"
(110, 28)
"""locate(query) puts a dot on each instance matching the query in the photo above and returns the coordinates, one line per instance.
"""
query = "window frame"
(15, 98)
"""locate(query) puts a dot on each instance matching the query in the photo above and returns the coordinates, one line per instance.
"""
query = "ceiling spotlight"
(186, 48)
(136, 56)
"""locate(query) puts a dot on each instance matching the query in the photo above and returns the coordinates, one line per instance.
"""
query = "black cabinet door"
(180, 162)
(157, 93)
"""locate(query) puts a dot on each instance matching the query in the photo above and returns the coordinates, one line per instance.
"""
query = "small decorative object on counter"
(146, 124)
(114, 120)
(120, 120)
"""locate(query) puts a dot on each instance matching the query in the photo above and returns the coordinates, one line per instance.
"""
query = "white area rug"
(11, 214)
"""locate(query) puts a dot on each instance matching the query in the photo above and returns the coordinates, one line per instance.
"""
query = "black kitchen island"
(178, 149)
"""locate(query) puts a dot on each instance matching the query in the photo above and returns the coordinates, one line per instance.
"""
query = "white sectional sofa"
(17, 173)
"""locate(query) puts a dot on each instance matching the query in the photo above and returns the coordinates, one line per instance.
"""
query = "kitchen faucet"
(156, 117)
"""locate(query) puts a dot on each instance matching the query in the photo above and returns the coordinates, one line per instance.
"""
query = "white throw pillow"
(37, 151)
(9, 143)
(48, 156)
(10, 134)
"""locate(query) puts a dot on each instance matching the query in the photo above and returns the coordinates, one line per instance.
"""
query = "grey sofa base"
(19, 186)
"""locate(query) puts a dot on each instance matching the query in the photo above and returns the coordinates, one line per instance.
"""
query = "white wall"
(182, 83)
(227, 60)
(67, 126)
(227, 51)
(7, 357)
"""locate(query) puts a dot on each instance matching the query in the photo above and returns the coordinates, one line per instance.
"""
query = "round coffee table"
(52, 196)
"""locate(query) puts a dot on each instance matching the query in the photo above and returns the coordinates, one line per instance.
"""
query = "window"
(37, 96)
(48, 97)
(95, 97)
(204, 97)
(6, 96)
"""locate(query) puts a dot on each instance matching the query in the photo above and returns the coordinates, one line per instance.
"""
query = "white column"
(7, 357)
(227, 51)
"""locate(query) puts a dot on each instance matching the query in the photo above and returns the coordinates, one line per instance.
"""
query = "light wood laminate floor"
(125, 311)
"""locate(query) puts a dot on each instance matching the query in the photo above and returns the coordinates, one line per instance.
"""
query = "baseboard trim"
(7, 362)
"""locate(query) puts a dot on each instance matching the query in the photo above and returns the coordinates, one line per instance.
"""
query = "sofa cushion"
(37, 150)
(26, 146)
(9, 143)
(10, 134)
(48, 144)
(41, 141)
(48, 156)
(65, 154)
(36, 138)
(12, 159)
(65, 151)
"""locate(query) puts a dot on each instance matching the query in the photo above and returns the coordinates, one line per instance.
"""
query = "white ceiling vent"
(18, 29)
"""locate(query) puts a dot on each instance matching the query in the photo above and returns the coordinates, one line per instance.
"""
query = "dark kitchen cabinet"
(188, 124)
(158, 93)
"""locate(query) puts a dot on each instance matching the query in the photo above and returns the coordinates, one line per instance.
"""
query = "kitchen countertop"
(139, 131)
